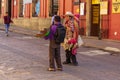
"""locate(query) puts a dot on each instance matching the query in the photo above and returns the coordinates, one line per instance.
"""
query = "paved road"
(26, 58)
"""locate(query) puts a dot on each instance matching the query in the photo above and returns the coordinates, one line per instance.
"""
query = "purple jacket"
(7, 20)
(52, 31)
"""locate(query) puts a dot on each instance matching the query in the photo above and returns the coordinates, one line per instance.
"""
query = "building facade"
(32, 14)
(98, 18)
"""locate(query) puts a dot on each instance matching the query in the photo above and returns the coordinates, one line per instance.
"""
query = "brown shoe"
(65, 62)
(59, 69)
(51, 69)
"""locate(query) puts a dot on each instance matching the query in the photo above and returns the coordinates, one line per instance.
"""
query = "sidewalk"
(104, 44)
(21, 30)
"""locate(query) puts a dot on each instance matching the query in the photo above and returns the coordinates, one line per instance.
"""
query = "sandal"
(51, 69)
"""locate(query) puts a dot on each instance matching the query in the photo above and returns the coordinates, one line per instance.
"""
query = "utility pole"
(88, 17)
(100, 31)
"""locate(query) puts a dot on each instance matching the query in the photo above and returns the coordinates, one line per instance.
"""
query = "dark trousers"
(70, 57)
(54, 55)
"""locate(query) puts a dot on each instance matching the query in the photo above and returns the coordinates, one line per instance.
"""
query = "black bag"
(59, 34)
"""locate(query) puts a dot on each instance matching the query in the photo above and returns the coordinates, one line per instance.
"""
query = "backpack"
(59, 34)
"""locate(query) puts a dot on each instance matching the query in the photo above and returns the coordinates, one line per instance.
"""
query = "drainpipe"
(100, 32)
(88, 17)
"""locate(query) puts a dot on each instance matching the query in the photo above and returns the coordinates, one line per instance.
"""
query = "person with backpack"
(71, 26)
(56, 36)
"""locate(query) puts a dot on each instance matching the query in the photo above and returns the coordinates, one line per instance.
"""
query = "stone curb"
(110, 49)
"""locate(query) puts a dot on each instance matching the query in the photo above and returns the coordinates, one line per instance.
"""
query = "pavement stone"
(104, 44)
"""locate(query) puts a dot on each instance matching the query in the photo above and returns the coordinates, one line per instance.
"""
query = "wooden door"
(95, 22)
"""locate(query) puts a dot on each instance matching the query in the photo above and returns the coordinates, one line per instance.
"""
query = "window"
(35, 8)
(76, 2)
(21, 8)
(53, 7)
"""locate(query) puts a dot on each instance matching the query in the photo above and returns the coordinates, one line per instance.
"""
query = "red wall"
(83, 21)
(114, 24)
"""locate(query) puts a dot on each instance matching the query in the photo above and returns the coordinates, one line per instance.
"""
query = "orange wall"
(15, 9)
(76, 9)
(61, 7)
(68, 5)
(44, 11)
(114, 24)
(65, 5)
(42, 8)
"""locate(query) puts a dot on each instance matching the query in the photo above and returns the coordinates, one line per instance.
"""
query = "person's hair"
(57, 19)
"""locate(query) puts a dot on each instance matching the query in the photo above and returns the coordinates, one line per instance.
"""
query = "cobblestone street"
(25, 57)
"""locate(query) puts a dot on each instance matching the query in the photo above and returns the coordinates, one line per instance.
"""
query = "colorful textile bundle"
(47, 33)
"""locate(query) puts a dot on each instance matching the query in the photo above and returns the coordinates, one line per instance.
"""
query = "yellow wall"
(31, 23)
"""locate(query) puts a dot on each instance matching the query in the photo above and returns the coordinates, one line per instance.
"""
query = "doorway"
(95, 20)
(8, 7)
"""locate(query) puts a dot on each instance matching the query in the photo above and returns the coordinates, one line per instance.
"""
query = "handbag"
(80, 41)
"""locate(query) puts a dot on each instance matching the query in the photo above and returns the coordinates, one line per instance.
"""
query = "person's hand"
(75, 46)
(43, 30)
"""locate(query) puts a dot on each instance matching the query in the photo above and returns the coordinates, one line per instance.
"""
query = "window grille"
(53, 7)
(21, 11)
